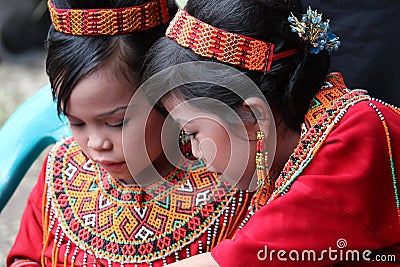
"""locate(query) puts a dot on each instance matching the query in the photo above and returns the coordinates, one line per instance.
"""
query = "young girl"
(331, 196)
(87, 209)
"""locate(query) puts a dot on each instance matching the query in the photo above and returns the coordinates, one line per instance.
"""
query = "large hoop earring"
(183, 138)
(185, 145)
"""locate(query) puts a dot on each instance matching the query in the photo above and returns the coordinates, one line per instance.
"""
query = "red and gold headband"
(211, 42)
(109, 21)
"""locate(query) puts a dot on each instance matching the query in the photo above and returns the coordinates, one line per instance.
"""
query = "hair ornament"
(314, 31)
(110, 21)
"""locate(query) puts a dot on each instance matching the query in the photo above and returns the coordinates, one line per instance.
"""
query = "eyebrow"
(112, 112)
(101, 116)
(69, 116)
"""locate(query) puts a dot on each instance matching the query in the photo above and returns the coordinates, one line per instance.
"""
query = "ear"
(262, 113)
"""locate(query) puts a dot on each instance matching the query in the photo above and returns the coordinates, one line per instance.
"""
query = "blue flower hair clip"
(315, 32)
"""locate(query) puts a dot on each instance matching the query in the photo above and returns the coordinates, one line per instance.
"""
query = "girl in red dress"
(88, 208)
(330, 196)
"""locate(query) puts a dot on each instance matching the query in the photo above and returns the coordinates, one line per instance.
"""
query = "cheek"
(80, 136)
(216, 150)
(116, 138)
(154, 126)
(234, 154)
(140, 140)
(225, 151)
(133, 142)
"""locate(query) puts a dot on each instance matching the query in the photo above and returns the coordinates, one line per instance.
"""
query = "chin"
(123, 176)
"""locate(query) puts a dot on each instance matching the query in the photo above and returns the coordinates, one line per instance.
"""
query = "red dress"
(337, 196)
(78, 215)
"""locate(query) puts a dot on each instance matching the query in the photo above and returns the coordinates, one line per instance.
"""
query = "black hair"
(292, 81)
(70, 58)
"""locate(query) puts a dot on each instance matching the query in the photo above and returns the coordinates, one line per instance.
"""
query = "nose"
(98, 142)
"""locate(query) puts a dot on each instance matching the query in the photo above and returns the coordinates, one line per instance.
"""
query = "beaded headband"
(211, 42)
(109, 21)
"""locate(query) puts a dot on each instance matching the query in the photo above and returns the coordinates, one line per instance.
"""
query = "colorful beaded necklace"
(326, 110)
(101, 217)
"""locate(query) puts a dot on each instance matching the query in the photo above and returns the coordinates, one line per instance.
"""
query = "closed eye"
(116, 125)
(74, 124)
(188, 136)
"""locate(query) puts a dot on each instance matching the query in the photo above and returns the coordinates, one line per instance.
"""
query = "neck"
(286, 141)
(159, 168)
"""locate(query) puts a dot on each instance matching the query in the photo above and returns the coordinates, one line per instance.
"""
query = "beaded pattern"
(261, 157)
(109, 21)
(211, 42)
(395, 186)
(331, 91)
(264, 179)
(326, 110)
(320, 124)
(127, 224)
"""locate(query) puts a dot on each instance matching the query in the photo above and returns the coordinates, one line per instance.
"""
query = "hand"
(202, 260)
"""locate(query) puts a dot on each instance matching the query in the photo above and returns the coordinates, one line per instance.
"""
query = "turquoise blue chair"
(29, 130)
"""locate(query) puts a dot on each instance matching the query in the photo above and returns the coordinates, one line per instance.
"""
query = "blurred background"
(23, 30)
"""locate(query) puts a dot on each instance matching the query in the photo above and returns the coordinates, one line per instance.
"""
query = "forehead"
(202, 107)
(105, 78)
(100, 90)
(186, 114)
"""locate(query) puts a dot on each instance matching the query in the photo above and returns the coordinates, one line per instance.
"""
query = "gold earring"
(184, 144)
(261, 158)
(264, 180)
(183, 138)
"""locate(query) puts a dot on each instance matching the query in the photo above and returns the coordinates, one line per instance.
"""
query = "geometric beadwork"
(326, 110)
(128, 224)
(212, 42)
(109, 21)
(333, 88)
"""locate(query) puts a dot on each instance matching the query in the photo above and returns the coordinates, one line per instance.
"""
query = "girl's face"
(226, 149)
(96, 111)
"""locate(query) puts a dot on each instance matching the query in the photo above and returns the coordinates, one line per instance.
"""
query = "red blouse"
(343, 202)
(78, 215)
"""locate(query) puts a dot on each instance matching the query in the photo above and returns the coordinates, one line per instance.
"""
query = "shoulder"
(355, 167)
(363, 134)
(63, 149)
(66, 157)
(63, 144)
(367, 122)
